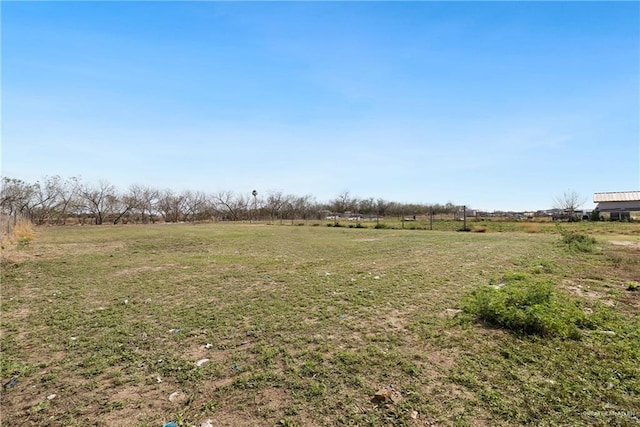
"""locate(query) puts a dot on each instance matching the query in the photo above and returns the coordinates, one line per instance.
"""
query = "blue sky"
(497, 105)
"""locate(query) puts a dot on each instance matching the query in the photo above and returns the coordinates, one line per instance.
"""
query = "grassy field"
(251, 324)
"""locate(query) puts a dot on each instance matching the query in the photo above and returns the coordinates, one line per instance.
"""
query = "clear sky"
(497, 105)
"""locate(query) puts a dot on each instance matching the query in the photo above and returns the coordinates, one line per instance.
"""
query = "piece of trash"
(610, 333)
(244, 343)
(173, 396)
(206, 423)
(236, 367)
(342, 316)
(126, 301)
(208, 346)
(387, 395)
(175, 331)
(51, 396)
(201, 362)
(11, 383)
(171, 424)
(158, 380)
(74, 338)
(147, 301)
(414, 415)
(327, 273)
(100, 308)
(144, 336)
(376, 277)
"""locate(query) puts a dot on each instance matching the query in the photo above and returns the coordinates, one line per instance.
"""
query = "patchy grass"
(303, 325)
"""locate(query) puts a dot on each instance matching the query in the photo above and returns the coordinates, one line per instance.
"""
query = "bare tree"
(16, 198)
(229, 205)
(146, 201)
(568, 203)
(67, 198)
(97, 200)
(274, 204)
(171, 206)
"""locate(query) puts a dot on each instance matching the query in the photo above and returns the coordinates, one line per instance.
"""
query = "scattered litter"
(173, 396)
(208, 346)
(244, 343)
(51, 396)
(387, 395)
(201, 362)
(11, 383)
(158, 380)
(342, 316)
(147, 301)
(327, 273)
(144, 336)
(175, 331)
(100, 308)
(609, 333)
(353, 279)
(376, 277)
(414, 415)
(74, 338)
(236, 367)
(126, 301)
(171, 424)
(207, 423)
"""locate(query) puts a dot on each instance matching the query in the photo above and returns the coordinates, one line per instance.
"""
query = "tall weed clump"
(528, 307)
(577, 241)
(20, 232)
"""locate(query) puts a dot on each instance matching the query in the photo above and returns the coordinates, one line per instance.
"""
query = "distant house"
(619, 205)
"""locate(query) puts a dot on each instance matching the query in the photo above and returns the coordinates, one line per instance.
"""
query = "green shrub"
(576, 241)
(528, 308)
(633, 286)
(381, 226)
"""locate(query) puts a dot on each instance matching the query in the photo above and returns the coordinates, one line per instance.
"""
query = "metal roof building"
(619, 203)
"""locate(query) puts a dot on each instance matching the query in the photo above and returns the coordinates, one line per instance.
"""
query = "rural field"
(264, 325)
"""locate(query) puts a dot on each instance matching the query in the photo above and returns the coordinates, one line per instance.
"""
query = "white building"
(620, 205)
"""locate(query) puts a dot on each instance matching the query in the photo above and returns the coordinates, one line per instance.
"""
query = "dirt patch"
(627, 243)
(139, 270)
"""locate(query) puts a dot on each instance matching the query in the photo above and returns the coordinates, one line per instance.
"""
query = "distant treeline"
(57, 200)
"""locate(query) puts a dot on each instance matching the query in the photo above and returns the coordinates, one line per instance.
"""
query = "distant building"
(618, 205)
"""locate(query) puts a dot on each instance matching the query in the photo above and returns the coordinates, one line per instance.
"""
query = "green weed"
(528, 307)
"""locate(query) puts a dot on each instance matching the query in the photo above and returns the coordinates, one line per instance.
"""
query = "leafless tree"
(146, 200)
(16, 198)
(274, 204)
(569, 202)
(229, 205)
(97, 200)
(67, 197)
(171, 206)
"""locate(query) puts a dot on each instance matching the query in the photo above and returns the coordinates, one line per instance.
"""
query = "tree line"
(56, 200)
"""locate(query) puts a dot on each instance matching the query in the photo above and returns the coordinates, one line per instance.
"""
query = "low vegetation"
(532, 306)
(254, 324)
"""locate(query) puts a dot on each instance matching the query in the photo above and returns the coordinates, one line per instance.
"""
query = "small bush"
(528, 308)
(576, 241)
(381, 226)
(633, 286)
